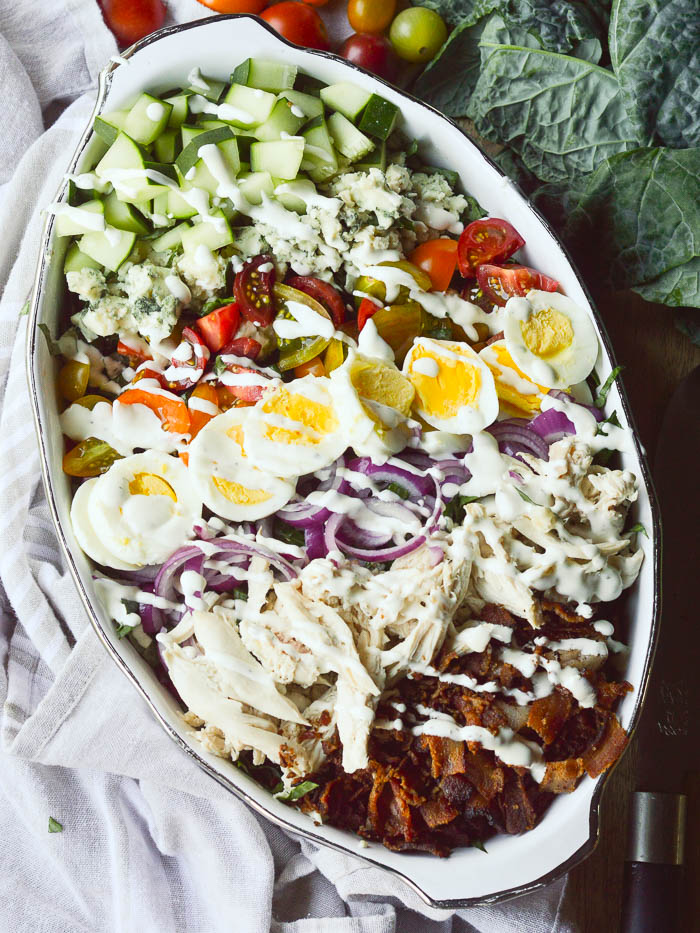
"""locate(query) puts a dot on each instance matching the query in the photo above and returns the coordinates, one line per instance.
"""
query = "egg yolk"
(235, 492)
(383, 384)
(547, 333)
(507, 393)
(313, 419)
(456, 385)
(235, 432)
(148, 484)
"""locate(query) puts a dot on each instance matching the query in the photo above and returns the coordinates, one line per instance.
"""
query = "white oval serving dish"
(568, 832)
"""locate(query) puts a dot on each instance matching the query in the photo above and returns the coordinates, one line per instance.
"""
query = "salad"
(341, 461)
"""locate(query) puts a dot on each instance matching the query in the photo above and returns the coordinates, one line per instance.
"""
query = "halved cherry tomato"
(191, 356)
(171, 410)
(487, 240)
(219, 326)
(312, 367)
(91, 457)
(131, 20)
(135, 354)
(248, 393)
(147, 373)
(206, 392)
(298, 23)
(324, 293)
(243, 346)
(365, 311)
(370, 15)
(439, 259)
(499, 283)
(235, 6)
(252, 288)
(73, 379)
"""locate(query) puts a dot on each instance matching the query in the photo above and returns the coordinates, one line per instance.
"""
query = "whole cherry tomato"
(375, 53)
(131, 20)
(235, 6)
(487, 240)
(316, 2)
(370, 15)
(499, 283)
(298, 23)
(439, 259)
(417, 33)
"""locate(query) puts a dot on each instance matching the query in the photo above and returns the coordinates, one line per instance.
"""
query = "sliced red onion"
(367, 554)
(228, 546)
(518, 431)
(563, 396)
(165, 581)
(305, 514)
(552, 425)
(315, 542)
(416, 486)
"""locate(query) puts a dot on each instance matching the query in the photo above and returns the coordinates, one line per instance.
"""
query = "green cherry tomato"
(91, 457)
(417, 34)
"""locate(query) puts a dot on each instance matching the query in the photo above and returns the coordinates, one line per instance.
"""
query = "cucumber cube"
(108, 125)
(123, 155)
(281, 121)
(347, 139)
(306, 105)
(178, 206)
(320, 159)
(271, 76)
(190, 154)
(212, 234)
(147, 119)
(346, 98)
(253, 185)
(167, 145)
(374, 159)
(211, 88)
(171, 239)
(247, 106)
(240, 73)
(76, 261)
(124, 216)
(76, 220)
(110, 248)
(178, 114)
(281, 157)
(289, 199)
(379, 118)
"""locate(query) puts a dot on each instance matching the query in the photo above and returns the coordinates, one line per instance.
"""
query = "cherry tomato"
(131, 20)
(252, 289)
(298, 23)
(324, 293)
(189, 360)
(499, 283)
(135, 354)
(205, 392)
(370, 15)
(219, 326)
(172, 411)
(248, 393)
(365, 311)
(312, 367)
(73, 380)
(417, 33)
(316, 2)
(243, 346)
(90, 457)
(487, 240)
(235, 6)
(375, 53)
(439, 259)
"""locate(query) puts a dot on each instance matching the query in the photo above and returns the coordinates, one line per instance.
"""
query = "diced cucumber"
(287, 198)
(374, 159)
(270, 76)
(254, 185)
(209, 124)
(281, 121)
(124, 216)
(346, 98)
(110, 248)
(308, 84)
(122, 155)
(240, 73)
(70, 223)
(188, 133)
(166, 146)
(311, 107)
(203, 178)
(178, 114)
(160, 204)
(320, 160)
(379, 117)
(280, 157)
(190, 154)
(178, 206)
(248, 106)
(171, 239)
(211, 88)
(212, 235)
(108, 125)
(347, 139)
(76, 260)
(147, 119)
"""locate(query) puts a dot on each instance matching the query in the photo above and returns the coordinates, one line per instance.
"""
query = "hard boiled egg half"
(550, 338)
(138, 512)
(224, 476)
(519, 395)
(455, 389)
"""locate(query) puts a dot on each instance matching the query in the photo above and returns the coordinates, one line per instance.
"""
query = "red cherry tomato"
(131, 20)
(375, 53)
(500, 283)
(298, 23)
(365, 311)
(243, 346)
(147, 373)
(370, 15)
(206, 392)
(191, 356)
(316, 2)
(439, 259)
(135, 354)
(486, 240)
(219, 326)
(252, 290)
(173, 412)
(323, 292)
(235, 6)
(248, 393)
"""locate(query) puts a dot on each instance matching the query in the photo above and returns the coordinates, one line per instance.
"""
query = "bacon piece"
(498, 615)
(607, 749)
(484, 773)
(548, 714)
(561, 777)
(518, 812)
(446, 755)
(561, 610)
(438, 812)
(610, 692)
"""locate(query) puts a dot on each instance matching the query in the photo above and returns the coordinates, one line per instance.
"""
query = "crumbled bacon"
(548, 714)
(607, 749)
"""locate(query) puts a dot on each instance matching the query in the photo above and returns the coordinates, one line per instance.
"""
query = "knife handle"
(652, 890)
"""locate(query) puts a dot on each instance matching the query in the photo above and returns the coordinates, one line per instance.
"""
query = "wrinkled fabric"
(149, 841)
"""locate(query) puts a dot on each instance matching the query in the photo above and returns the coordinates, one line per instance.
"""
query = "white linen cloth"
(150, 843)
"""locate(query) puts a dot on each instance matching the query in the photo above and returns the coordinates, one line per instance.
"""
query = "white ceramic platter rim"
(260, 800)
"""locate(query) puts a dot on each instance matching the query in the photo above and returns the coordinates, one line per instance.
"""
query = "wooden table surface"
(656, 356)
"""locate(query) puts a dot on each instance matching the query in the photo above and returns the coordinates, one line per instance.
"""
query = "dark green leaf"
(513, 166)
(524, 496)
(213, 303)
(399, 490)
(288, 533)
(602, 396)
(131, 606)
(654, 52)
(456, 12)
(123, 630)
(55, 826)
(679, 287)
(611, 419)
(298, 791)
(50, 342)
(687, 320)
(219, 366)
(449, 79)
(553, 25)
(637, 529)
(455, 508)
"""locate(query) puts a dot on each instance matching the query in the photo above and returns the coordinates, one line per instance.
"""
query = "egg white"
(217, 460)
(88, 538)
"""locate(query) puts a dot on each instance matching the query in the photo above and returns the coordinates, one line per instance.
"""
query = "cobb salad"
(338, 460)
